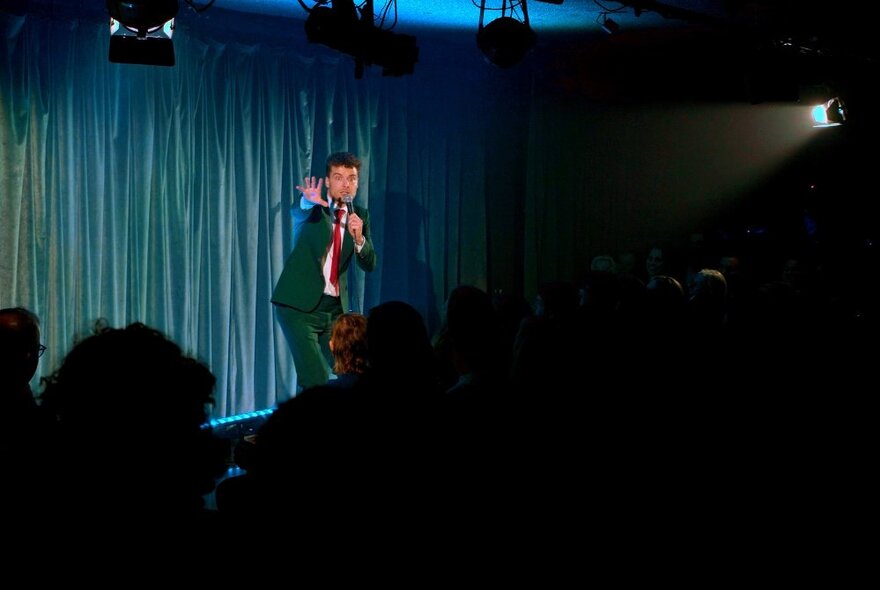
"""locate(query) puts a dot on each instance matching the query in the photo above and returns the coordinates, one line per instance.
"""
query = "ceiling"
(687, 36)
(569, 15)
(807, 22)
(674, 44)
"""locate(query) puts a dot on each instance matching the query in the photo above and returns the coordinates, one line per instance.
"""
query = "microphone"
(347, 199)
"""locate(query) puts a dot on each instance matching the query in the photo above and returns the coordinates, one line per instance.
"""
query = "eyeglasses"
(40, 351)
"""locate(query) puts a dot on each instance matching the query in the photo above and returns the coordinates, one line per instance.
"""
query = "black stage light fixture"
(395, 53)
(505, 41)
(335, 26)
(610, 26)
(339, 28)
(141, 30)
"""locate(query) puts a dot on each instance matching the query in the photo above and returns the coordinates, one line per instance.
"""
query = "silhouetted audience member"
(348, 345)
(698, 256)
(599, 297)
(482, 405)
(554, 330)
(603, 263)
(337, 460)
(401, 357)
(25, 435)
(665, 302)
(655, 263)
(707, 303)
(134, 457)
(475, 337)
(20, 351)
(630, 306)
(626, 264)
(512, 309)
(665, 324)
(742, 285)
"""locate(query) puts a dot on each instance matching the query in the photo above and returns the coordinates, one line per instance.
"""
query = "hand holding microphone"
(355, 223)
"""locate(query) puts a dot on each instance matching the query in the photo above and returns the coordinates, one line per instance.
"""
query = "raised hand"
(312, 190)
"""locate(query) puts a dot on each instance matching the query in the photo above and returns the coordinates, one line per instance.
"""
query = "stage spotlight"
(829, 114)
(335, 27)
(505, 41)
(339, 28)
(141, 30)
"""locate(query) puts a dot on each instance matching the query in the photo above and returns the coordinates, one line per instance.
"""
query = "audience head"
(665, 288)
(709, 285)
(707, 301)
(398, 344)
(603, 263)
(130, 403)
(348, 342)
(664, 299)
(655, 263)
(626, 263)
(20, 347)
(557, 299)
(473, 326)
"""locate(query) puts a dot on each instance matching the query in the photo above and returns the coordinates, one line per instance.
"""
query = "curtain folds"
(162, 195)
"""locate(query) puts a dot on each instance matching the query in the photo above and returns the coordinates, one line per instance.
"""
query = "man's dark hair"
(344, 159)
(125, 371)
(125, 399)
(19, 344)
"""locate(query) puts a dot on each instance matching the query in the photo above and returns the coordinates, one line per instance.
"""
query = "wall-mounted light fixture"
(830, 113)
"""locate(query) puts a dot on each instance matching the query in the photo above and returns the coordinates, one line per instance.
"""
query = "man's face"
(342, 182)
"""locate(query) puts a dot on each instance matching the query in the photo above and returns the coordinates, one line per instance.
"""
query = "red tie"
(337, 246)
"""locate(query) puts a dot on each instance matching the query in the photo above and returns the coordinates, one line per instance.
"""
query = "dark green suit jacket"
(302, 281)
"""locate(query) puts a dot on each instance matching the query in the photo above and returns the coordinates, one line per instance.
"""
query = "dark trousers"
(308, 334)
